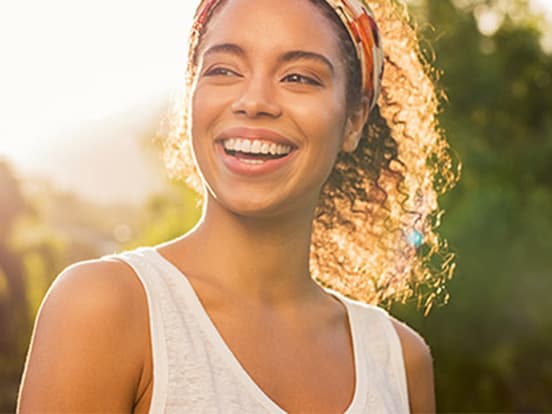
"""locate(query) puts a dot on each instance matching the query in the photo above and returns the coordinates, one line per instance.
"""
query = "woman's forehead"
(295, 24)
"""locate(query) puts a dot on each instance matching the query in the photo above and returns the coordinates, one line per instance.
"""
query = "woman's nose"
(257, 99)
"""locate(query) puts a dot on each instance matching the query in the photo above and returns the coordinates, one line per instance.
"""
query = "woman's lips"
(246, 168)
(255, 133)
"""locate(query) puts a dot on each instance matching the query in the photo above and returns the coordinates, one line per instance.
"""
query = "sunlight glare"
(65, 62)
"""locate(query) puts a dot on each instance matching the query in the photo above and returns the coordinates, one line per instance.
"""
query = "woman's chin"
(250, 205)
(247, 207)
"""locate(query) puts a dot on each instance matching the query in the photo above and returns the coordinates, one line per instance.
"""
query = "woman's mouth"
(255, 150)
(253, 157)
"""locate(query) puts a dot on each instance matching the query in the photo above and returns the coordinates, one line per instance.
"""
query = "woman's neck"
(264, 259)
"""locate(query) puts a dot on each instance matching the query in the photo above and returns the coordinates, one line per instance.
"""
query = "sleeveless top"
(195, 371)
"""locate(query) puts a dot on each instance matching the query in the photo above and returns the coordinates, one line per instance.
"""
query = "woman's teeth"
(245, 160)
(255, 147)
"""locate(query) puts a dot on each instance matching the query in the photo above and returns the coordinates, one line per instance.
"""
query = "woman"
(228, 318)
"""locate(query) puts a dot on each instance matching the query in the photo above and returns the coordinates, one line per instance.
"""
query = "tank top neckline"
(185, 287)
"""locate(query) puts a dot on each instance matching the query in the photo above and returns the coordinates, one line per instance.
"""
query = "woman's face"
(269, 78)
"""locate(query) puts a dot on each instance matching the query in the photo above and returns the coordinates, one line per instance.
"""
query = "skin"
(247, 259)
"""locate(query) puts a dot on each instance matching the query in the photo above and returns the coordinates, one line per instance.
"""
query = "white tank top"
(194, 371)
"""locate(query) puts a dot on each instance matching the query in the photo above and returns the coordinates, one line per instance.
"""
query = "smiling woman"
(374, 232)
(316, 191)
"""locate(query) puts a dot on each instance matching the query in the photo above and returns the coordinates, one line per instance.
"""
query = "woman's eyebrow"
(230, 48)
(303, 54)
(234, 49)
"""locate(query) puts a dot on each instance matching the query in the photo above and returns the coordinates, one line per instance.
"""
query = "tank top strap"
(383, 351)
(156, 295)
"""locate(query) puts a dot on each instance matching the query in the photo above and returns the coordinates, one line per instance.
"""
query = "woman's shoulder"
(416, 354)
(418, 364)
(100, 287)
(415, 349)
(410, 339)
(91, 320)
(107, 274)
(413, 344)
(104, 293)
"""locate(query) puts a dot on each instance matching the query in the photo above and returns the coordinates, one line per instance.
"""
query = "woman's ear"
(355, 125)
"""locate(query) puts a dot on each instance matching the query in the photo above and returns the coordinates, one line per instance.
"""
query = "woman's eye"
(220, 71)
(305, 80)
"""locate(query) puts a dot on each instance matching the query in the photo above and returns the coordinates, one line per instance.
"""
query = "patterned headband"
(360, 22)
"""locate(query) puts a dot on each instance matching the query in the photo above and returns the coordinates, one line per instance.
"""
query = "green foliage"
(37, 279)
(491, 342)
(167, 216)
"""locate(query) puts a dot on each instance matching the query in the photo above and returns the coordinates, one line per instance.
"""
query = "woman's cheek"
(324, 125)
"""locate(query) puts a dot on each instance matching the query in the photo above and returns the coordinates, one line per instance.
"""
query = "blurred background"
(85, 86)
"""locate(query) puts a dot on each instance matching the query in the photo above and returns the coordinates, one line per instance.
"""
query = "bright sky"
(544, 6)
(67, 62)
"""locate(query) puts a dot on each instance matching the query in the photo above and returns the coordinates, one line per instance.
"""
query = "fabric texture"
(194, 371)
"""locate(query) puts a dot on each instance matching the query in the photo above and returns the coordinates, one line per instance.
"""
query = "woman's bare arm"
(87, 348)
(419, 369)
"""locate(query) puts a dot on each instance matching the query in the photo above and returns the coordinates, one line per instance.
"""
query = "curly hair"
(375, 229)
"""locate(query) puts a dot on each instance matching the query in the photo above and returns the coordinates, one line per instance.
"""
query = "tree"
(491, 342)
